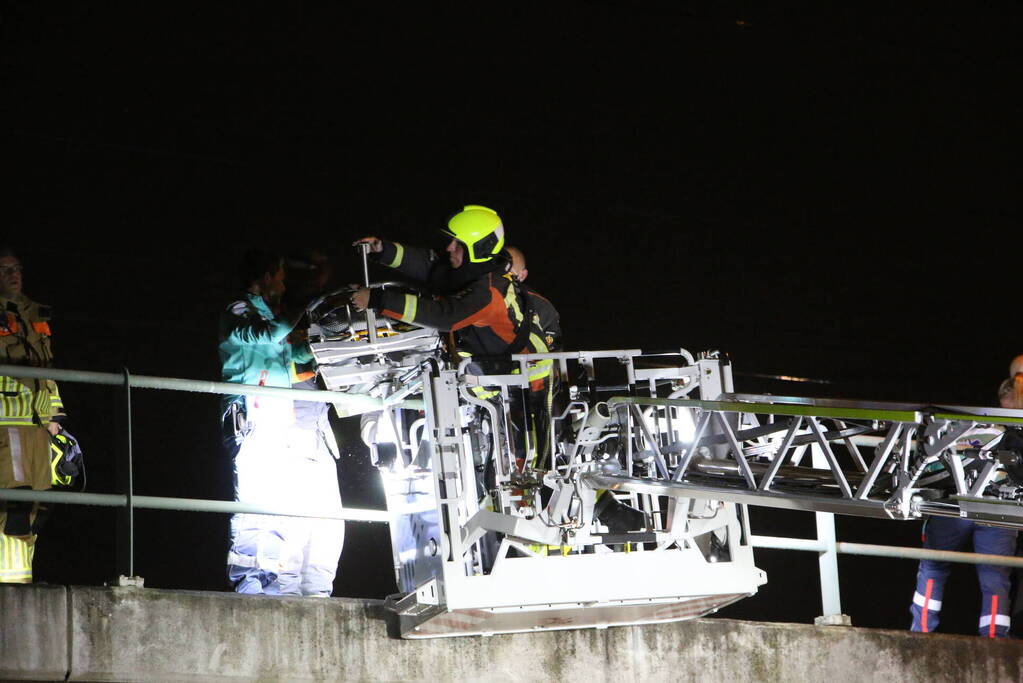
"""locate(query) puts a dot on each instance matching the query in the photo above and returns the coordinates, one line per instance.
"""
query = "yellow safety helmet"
(65, 459)
(480, 230)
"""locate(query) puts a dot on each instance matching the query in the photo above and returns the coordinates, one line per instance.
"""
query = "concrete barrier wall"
(128, 634)
(33, 632)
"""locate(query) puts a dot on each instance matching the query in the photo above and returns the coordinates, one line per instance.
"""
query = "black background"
(820, 192)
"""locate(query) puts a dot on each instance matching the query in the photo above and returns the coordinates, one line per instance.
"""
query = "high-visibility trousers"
(951, 533)
(16, 559)
(24, 463)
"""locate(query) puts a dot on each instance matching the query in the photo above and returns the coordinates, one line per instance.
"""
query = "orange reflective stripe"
(41, 328)
(994, 616)
(927, 603)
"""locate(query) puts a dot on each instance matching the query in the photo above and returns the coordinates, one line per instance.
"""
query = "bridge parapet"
(53, 633)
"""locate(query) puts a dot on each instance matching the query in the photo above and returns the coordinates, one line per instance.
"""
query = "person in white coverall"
(280, 455)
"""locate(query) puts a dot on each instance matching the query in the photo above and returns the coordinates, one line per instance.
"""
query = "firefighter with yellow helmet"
(471, 292)
(30, 411)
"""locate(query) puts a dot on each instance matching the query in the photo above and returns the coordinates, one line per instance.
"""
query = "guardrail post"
(831, 598)
(126, 515)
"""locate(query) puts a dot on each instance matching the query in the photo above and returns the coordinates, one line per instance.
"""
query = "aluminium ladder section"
(934, 460)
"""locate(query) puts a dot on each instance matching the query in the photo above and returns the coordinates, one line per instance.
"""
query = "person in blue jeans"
(953, 533)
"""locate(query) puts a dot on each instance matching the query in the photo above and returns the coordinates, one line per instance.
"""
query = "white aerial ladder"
(640, 514)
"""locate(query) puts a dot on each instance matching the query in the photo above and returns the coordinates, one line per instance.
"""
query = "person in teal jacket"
(254, 347)
(271, 461)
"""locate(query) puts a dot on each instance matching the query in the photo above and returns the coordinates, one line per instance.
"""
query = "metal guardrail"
(828, 550)
(128, 501)
(191, 505)
(826, 545)
(876, 550)
(345, 401)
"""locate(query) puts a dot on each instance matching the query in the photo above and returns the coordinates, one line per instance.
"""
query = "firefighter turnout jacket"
(26, 406)
(25, 340)
(547, 317)
(479, 301)
(487, 308)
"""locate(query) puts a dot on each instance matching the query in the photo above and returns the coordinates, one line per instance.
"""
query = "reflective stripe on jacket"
(15, 559)
(486, 311)
(548, 319)
(25, 340)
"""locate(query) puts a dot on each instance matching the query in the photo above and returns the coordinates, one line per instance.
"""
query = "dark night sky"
(820, 192)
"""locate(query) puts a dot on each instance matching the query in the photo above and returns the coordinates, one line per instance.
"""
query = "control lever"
(371, 319)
